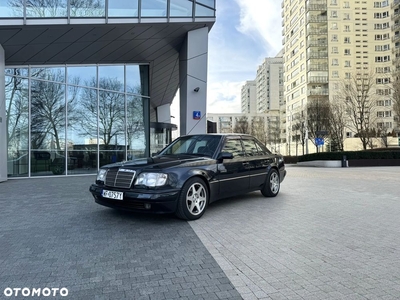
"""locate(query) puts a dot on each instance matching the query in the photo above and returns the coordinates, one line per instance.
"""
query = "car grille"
(121, 178)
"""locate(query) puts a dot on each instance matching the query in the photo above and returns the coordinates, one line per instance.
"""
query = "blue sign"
(319, 141)
(196, 115)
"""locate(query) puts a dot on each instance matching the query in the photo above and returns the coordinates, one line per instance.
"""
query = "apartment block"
(327, 42)
(249, 97)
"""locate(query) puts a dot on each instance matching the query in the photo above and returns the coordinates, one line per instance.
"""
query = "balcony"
(317, 19)
(395, 26)
(317, 54)
(316, 7)
(318, 79)
(395, 15)
(318, 92)
(395, 3)
(318, 67)
(317, 31)
(320, 43)
(395, 38)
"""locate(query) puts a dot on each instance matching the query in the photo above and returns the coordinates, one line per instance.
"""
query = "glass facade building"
(73, 119)
(87, 83)
(106, 8)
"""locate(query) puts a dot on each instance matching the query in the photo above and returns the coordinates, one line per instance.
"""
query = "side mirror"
(224, 155)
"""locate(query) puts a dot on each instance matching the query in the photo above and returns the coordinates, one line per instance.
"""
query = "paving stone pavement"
(53, 235)
(329, 234)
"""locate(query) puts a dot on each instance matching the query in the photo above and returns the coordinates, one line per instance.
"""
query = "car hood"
(161, 162)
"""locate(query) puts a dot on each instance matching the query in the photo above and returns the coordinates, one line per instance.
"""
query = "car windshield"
(201, 145)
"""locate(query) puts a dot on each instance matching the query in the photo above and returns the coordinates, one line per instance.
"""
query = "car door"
(232, 173)
(259, 160)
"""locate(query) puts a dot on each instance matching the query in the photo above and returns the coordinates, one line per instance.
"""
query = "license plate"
(113, 195)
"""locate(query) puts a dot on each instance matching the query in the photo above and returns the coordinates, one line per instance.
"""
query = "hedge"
(366, 154)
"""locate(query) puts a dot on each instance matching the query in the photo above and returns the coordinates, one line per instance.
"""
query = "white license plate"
(113, 195)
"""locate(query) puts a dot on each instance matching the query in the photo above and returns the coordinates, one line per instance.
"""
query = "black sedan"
(190, 173)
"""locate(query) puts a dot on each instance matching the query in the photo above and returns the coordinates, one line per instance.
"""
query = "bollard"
(344, 161)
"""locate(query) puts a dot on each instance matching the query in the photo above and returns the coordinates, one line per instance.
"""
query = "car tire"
(193, 199)
(272, 184)
(58, 169)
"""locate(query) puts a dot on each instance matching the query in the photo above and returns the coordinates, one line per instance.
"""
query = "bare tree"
(318, 111)
(16, 110)
(396, 91)
(359, 96)
(111, 110)
(242, 125)
(48, 107)
(299, 130)
(58, 8)
(337, 125)
(383, 134)
(273, 132)
(258, 129)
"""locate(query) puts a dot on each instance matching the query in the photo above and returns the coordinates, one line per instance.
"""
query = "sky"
(244, 34)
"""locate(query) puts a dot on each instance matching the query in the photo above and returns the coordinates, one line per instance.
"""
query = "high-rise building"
(269, 84)
(249, 97)
(327, 42)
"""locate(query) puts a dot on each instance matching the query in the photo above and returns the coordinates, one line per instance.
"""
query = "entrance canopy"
(157, 44)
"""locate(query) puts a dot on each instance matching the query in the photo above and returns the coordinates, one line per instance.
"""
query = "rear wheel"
(272, 184)
(193, 200)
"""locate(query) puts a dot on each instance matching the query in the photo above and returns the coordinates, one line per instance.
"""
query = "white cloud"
(223, 97)
(246, 32)
(262, 20)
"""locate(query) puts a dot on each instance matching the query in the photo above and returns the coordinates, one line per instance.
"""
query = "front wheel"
(193, 200)
(272, 184)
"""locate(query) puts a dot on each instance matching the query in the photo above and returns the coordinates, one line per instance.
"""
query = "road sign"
(319, 141)
(196, 115)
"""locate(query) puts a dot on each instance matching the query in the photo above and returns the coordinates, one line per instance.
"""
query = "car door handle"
(246, 164)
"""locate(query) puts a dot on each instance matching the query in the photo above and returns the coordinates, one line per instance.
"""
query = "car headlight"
(101, 175)
(151, 179)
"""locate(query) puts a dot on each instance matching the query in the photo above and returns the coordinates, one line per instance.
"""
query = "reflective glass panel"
(122, 8)
(87, 8)
(46, 9)
(17, 72)
(210, 3)
(17, 120)
(133, 82)
(154, 8)
(202, 11)
(52, 74)
(47, 128)
(111, 125)
(181, 8)
(111, 78)
(11, 8)
(82, 130)
(82, 75)
(135, 127)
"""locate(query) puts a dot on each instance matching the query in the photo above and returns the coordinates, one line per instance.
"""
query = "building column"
(3, 129)
(193, 82)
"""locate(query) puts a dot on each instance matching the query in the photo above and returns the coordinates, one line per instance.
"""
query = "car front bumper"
(149, 201)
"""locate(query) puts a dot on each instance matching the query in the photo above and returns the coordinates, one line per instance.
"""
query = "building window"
(346, 51)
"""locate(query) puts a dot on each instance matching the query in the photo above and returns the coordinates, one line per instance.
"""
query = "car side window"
(250, 147)
(262, 149)
(233, 146)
